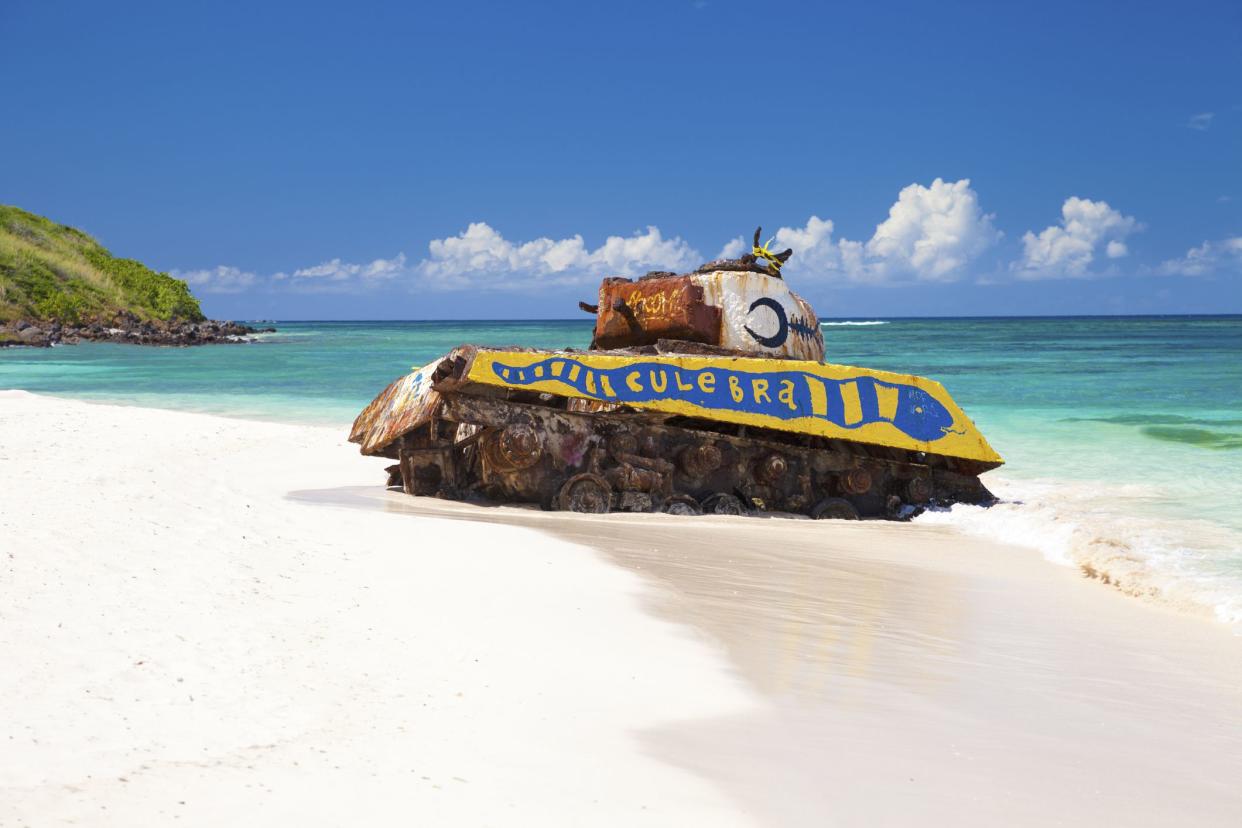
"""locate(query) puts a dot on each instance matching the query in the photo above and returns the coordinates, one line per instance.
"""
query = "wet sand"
(223, 621)
(910, 675)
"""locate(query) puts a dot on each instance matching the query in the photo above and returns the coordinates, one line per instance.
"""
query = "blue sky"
(473, 160)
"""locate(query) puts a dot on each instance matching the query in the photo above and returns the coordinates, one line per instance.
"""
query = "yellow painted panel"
(836, 401)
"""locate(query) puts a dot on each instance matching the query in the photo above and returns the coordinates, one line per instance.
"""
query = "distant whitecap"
(871, 322)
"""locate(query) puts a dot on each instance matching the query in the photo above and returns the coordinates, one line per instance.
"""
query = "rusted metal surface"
(643, 312)
(645, 464)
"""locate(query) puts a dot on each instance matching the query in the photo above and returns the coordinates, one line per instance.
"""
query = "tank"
(703, 392)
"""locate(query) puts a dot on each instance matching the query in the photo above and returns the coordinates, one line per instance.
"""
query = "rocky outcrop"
(126, 328)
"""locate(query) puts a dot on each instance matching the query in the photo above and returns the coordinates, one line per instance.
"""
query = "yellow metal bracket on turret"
(761, 251)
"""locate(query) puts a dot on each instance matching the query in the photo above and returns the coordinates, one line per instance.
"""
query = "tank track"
(507, 445)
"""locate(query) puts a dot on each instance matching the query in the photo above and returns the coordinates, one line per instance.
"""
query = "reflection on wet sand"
(792, 620)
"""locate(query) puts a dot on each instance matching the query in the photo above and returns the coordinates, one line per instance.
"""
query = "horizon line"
(856, 317)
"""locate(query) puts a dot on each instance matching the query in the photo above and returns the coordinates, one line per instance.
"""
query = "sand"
(217, 621)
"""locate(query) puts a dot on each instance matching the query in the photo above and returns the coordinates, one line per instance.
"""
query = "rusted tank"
(701, 392)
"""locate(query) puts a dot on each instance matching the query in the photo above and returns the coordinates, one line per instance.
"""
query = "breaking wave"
(1111, 535)
(869, 322)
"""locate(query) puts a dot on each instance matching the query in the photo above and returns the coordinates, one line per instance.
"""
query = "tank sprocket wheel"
(681, 505)
(834, 508)
(723, 503)
(587, 493)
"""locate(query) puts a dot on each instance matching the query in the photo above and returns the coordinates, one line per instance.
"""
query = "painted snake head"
(920, 415)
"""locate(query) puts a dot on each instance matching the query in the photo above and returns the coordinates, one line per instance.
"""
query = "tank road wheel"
(516, 447)
(681, 505)
(856, 481)
(723, 503)
(698, 461)
(834, 508)
(771, 469)
(587, 493)
(918, 490)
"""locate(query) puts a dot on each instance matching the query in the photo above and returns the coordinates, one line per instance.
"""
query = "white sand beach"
(220, 621)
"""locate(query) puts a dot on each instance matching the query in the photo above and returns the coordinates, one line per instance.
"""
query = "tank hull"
(649, 428)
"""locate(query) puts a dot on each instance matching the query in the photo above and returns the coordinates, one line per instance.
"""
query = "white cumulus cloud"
(932, 234)
(733, 248)
(481, 256)
(1209, 257)
(338, 276)
(478, 257)
(220, 279)
(813, 246)
(337, 271)
(1068, 249)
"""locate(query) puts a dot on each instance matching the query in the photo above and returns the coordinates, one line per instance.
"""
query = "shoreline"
(732, 670)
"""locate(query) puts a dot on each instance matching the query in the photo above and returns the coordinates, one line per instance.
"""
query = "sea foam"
(1189, 564)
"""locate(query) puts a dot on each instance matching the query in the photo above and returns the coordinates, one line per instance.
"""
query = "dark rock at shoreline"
(126, 328)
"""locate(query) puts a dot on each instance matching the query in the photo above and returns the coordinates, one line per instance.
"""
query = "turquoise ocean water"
(1123, 435)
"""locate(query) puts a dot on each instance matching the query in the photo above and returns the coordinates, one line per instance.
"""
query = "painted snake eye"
(918, 409)
(778, 338)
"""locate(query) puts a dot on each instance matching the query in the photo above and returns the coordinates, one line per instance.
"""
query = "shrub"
(52, 271)
(158, 293)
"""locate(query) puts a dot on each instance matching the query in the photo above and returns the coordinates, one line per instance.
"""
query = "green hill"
(53, 273)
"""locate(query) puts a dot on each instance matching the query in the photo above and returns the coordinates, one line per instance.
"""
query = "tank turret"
(736, 305)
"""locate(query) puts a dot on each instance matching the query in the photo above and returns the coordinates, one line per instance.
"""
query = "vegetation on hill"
(53, 273)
